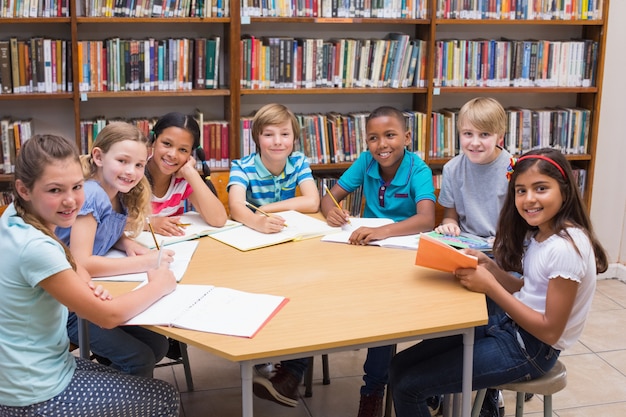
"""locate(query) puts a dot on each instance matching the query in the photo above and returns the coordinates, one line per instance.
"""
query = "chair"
(308, 376)
(552, 382)
(183, 360)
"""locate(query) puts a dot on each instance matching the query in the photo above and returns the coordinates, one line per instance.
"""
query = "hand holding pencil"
(273, 224)
(337, 217)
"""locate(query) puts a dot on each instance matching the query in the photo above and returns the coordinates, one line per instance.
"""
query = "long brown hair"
(513, 230)
(34, 156)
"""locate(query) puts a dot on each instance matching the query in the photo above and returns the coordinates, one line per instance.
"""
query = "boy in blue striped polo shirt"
(268, 179)
(397, 185)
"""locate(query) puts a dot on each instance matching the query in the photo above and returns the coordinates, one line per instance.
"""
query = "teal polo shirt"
(262, 187)
(397, 199)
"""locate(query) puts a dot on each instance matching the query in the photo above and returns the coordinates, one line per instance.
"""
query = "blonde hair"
(485, 114)
(34, 156)
(271, 115)
(137, 200)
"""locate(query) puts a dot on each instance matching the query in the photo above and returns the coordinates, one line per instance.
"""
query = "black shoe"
(282, 387)
(173, 352)
(490, 406)
(434, 404)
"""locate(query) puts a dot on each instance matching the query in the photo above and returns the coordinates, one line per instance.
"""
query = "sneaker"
(282, 387)
(264, 370)
(173, 352)
(371, 406)
(434, 404)
(501, 403)
(490, 406)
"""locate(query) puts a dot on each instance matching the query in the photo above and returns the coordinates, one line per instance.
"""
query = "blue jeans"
(503, 352)
(376, 370)
(131, 349)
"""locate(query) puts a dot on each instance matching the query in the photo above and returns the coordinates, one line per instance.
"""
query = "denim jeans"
(503, 352)
(376, 370)
(131, 349)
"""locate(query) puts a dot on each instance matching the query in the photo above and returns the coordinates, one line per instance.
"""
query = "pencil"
(153, 235)
(334, 201)
(183, 224)
(260, 211)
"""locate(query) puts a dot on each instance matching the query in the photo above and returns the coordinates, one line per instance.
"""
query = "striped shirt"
(173, 202)
(262, 187)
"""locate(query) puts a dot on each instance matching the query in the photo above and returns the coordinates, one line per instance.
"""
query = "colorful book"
(434, 254)
(464, 240)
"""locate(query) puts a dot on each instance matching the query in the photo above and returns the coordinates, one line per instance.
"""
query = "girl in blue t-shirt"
(117, 199)
(40, 281)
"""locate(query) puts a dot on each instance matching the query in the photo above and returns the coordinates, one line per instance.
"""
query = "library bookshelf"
(231, 98)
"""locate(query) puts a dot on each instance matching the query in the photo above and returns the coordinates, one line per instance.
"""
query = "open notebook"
(212, 309)
(300, 226)
(401, 242)
(182, 256)
(197, 228)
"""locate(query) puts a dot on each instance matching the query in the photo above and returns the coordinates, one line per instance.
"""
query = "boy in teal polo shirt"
(397, 185)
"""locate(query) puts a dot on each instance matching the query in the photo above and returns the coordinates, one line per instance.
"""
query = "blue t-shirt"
(262, 187)
(111, 224)
(34, 356)
(397, 200)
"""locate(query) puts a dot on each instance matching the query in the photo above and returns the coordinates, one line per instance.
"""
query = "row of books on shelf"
(520, 9)
(34, 8)
(381, 9)
(148, 65)
(154, 8)
(285, 62)
(563, 128)
(353, 201)
(7, 198)
(515, 63)
(214, 136)
(13, 133)
(37, 65)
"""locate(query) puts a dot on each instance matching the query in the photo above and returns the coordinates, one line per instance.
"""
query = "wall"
(608, 207)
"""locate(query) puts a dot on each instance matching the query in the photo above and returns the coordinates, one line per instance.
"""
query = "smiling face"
(276, 144)
(122, 167)
(480, 147)
(386, 140)
(57, 196)
(172, 149)
(538, 199)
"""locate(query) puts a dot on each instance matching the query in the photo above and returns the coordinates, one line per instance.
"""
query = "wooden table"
(342, 297)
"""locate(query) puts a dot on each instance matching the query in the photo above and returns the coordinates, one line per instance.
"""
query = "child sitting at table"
(397, 185)
(268, 180)
(474, 185)
(171, 171)
(545, 234)
(269, 177)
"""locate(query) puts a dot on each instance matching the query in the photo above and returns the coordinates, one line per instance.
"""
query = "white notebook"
(212, 309)
(299, 226)
(182, 256)
(197, 228)
(400, 242)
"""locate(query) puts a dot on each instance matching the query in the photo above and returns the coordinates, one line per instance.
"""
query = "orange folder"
(437, 255)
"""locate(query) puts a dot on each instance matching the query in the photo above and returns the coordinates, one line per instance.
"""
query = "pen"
(334, 201)
(153, 235)
(260, 211)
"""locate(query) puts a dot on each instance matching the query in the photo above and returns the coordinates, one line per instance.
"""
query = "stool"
(552, 382)
(308, 376)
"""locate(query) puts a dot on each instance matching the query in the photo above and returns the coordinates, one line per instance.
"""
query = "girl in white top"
(544, 234)
(39, 282)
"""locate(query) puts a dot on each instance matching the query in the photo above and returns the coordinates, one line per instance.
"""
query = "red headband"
(545, 158)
